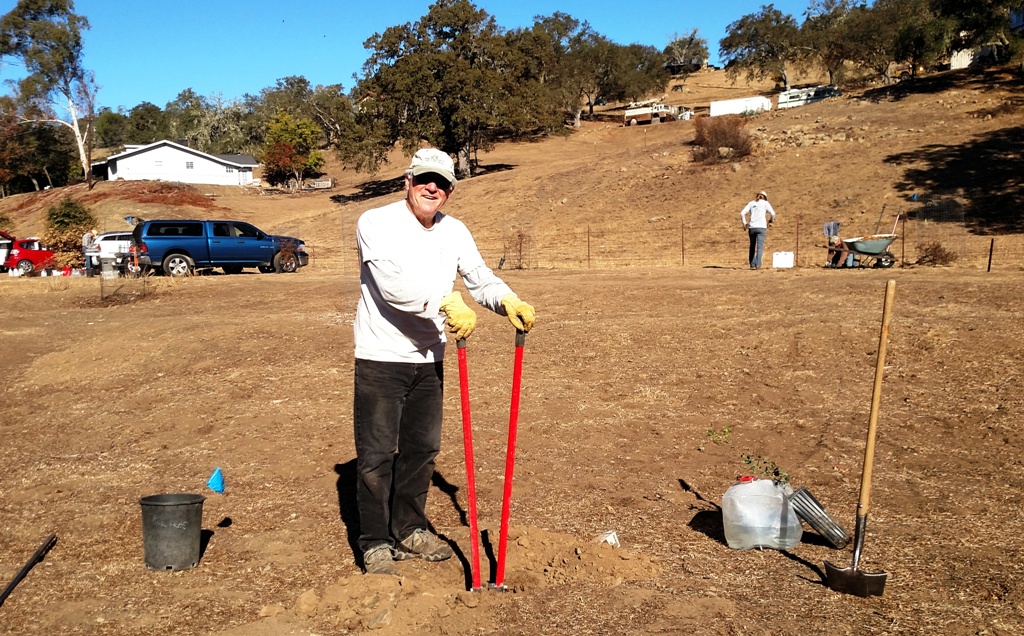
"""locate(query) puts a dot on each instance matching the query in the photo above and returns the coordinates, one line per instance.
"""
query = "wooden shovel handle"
(876, 398)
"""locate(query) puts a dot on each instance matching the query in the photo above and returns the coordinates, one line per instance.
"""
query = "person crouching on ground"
(762, 215)
(409, 255)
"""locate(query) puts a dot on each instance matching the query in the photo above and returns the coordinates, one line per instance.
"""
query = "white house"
(168, 161)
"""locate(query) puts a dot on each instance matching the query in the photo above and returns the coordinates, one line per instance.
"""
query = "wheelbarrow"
(873, 250)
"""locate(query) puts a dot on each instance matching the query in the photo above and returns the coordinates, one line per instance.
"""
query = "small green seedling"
(764, 468)
(717, 437)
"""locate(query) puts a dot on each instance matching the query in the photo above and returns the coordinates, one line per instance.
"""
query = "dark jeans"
(757, 235)
(397, 417)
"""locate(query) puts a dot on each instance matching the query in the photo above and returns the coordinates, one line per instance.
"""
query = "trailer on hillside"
(741, 106)
(803, 96)
(649, 114)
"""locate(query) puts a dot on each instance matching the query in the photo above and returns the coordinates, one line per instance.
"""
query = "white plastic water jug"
(757, 513)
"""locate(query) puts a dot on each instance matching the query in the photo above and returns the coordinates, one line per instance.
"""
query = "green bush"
(6, 224)
(69, 214)
(725, 131)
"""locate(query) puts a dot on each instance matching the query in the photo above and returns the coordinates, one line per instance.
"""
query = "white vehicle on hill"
(741, 106)
(649, 114)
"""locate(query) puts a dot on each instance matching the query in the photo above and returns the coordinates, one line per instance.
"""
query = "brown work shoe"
(422, 544)
(379, 560)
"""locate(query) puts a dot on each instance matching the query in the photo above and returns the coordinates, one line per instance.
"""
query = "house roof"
(237, 161)
(241, 160)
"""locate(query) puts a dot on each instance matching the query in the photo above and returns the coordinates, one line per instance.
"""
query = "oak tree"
(761, 44)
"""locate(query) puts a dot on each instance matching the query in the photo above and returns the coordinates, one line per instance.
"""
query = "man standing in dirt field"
(409, 255)
(761, 218)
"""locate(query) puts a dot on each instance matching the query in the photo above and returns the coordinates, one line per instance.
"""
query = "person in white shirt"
(410, 254)
(761, 216)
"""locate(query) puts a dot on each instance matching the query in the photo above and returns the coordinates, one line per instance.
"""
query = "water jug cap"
(746, 479)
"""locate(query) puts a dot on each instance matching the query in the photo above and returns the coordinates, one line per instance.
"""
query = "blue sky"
(149, 51)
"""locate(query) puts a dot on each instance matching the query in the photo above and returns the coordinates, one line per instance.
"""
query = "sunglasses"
(431, 177)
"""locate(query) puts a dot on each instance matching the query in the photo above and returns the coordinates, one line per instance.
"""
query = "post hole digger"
(510, 459)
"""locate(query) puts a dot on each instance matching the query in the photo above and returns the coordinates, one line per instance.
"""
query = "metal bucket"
(171, 530)
(808, 509)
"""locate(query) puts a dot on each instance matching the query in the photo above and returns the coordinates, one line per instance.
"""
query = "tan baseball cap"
(433, 160)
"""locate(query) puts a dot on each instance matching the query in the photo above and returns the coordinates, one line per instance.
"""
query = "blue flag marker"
(216, 481)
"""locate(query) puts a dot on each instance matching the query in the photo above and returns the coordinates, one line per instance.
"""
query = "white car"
(111, 245)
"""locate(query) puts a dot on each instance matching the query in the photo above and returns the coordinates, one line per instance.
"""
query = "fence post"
(796, 252)
(991, 247)
(682, 244)
(903, 244)
(588, 247)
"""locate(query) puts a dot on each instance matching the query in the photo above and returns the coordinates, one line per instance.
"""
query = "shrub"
(66, 222)
(715, 133)
(66, 246)
(69, 214)
(934, 254)
(517, 249)
(6, 224)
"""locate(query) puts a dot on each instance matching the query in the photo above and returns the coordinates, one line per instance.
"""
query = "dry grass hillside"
(949, 138)
(657, 363)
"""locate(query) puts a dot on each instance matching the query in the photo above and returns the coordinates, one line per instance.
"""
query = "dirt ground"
(646, 381)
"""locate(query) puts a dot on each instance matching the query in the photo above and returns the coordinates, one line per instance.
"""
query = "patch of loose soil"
(635, 369)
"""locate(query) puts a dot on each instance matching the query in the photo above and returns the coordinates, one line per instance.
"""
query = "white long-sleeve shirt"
(405, 271)
(758, 211)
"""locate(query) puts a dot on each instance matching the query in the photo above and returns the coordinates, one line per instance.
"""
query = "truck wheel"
(286, 262)
(232, 269)
(26, 266)
(177, 265)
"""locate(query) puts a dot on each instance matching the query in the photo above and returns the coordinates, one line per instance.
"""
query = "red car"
(28, 254)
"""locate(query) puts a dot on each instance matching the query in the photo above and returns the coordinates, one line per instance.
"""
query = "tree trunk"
(464, 168)
(35, 183)
(49, 181)
(79, 140)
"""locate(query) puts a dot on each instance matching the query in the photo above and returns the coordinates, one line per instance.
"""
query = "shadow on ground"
(937, 83)
(987, 174)
(371, 190)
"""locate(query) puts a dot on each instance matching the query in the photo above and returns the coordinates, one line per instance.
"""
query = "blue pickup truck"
(179, 247)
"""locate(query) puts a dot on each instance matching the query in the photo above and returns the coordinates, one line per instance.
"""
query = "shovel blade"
(853, 581)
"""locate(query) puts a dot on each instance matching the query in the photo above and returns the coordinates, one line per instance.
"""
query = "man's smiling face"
(427, 193)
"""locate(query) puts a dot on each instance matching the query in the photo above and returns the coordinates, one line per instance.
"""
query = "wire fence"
(920, 225)
(805, 245)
